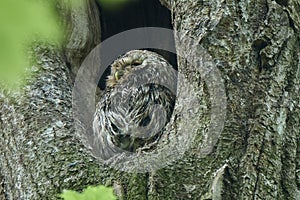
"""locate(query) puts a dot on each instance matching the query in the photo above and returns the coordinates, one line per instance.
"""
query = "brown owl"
(137, 104)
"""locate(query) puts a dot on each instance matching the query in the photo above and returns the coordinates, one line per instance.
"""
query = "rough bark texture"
(256, 46)
(40, 154)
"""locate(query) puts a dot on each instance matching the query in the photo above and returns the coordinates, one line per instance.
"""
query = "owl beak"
(117, 76)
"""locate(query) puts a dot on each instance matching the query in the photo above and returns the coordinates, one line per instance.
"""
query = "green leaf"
(91, 193)
(22, 22)
(114, 4)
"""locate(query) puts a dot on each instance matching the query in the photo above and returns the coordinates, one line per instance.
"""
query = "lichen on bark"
(255, 46)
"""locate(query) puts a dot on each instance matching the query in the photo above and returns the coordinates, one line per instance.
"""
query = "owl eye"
(136, 63)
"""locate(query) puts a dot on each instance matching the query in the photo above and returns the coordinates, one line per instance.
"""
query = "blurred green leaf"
(114, 4)
(91, 193)
(22, 22)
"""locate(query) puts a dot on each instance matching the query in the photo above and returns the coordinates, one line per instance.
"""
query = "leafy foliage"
(91, 193)
(114, 4)
(21, 22)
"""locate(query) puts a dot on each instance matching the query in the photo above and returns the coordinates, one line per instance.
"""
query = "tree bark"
(255, 46)
(40, 154)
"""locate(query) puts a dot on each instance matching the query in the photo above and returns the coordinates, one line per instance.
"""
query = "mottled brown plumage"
(137, 104)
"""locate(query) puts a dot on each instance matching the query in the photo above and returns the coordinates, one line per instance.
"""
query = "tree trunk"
(254, 47)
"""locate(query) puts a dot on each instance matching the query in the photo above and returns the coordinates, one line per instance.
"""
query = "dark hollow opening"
(135, 14)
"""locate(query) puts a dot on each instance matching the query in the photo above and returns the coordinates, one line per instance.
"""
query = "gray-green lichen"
(255, 45)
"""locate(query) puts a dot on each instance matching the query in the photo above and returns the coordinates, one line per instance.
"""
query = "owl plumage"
(137, 103)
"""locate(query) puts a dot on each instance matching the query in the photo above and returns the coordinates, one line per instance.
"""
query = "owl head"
(120, 68)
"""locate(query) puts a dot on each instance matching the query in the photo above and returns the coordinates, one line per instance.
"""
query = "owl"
(137, 104)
